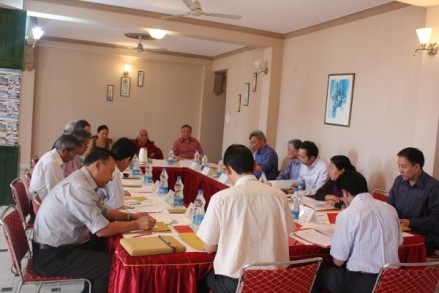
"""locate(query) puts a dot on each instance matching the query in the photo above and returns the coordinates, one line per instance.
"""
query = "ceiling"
(104, 22)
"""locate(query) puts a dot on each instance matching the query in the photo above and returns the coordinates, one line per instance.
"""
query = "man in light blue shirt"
(265, 157)
(367, 236)
(314, 170)
(292, 171)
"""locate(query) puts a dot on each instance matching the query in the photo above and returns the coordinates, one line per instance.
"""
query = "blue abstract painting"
(339, 99)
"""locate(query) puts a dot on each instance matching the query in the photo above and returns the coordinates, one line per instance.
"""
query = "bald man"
(142, 141)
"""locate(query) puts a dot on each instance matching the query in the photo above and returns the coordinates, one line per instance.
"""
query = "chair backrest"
(408, 278)
(293, 276)
(15, 236)
(380, 194)
(21, 200)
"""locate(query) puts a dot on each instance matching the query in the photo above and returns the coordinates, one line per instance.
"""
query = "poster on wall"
(10, 81)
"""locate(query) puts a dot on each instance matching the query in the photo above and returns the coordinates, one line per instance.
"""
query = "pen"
(142, 234)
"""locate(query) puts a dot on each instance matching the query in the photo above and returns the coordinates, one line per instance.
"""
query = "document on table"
(315, 237)
(283, 183)
(316, 204)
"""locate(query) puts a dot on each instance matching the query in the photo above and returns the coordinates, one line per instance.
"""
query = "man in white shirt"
(113, 194)
(367, 236)
(49, 170)
(313, 170)
(249, 222)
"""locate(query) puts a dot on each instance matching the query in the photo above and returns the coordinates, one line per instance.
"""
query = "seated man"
(78, 160)
(186, 146)
(366, 237)
(70, 218)
(265, 157)
(50, 168)
(313, 170)
(113, 193)
(239, 219)
(142, 141)
(292, 171)
(415, 195)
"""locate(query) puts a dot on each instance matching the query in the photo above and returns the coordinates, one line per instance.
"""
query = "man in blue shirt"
(415, 196)
(292, 171)
(265, 157)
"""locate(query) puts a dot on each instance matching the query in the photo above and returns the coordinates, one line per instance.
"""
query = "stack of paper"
(315, 237)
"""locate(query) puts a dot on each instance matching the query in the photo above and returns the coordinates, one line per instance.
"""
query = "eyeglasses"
(253, 142)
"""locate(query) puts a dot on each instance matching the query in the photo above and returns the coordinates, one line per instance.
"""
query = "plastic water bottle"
(295, 205)
(163, 185)
(171, 157)
(147, 177)
(178, 195)
(204, 161)
(300, 189)
(197, 157)
(136, 167)
(198, 213)
(263, 178)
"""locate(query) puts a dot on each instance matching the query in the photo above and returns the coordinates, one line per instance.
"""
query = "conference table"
(179, 272)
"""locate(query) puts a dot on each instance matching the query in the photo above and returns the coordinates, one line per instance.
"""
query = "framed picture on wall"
(246, 94)
(339, 99)
(125, 83)
(140, 76)
(255, 81)
(238, 103)
(110, 92)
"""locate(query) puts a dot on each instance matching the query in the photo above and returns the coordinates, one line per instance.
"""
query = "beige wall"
(71, 84)
(387, 109)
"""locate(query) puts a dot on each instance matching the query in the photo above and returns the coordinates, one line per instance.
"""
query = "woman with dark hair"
(329, 191)
(100, 140)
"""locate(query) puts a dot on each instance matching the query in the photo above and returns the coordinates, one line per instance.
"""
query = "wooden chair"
(380, 194)
(19, 247)
(280, 277)
(22, 202)
(408, 278)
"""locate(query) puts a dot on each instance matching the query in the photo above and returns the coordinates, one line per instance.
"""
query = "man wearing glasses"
(50, 168)
(265, 157)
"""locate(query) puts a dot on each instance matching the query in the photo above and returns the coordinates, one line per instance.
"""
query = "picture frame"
(246, 94)
(140, 77)
(125, 84)
(238, 109)
(255, 81)
(339, 98)
(110, 92)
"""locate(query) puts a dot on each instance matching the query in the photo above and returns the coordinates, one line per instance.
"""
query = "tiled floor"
(9, 282)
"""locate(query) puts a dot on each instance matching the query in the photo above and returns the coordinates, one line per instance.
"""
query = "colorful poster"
(9, 105)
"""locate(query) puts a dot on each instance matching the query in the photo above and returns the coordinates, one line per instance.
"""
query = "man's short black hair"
(80, 124)
(413, 155)
(310, 147)
(239, 158)
(97, 154)
(123, 148)
(353, 182)
(186, 126)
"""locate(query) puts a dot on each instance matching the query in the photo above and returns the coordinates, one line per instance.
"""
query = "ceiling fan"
(196, 10)
(140, 37)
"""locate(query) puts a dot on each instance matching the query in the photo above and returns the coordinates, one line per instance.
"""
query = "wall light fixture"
(424, 35)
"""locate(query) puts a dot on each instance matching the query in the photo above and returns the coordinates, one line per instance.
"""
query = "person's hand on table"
(257, 168)
(126, 193)
(145, 222)
(405, 222)
(332, 198)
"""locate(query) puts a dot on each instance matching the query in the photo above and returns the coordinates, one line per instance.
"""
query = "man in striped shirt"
(72, 220)
(367, 236)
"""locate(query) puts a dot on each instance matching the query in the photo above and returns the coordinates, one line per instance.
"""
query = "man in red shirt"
(186, 146)
(142, 141)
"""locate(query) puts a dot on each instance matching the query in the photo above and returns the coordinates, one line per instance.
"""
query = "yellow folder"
(152, 245)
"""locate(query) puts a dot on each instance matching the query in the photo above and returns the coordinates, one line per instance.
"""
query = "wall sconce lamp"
(126, 70)
(260, 69)
(37, 33)
(424, 39)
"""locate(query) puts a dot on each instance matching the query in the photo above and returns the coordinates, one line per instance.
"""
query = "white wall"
(385, 99)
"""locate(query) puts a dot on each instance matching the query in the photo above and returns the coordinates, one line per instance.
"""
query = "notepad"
(315, 237)
(192, 240)
(152, 245)
(161, 227)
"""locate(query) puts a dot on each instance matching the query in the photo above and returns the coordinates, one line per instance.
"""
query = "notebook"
(152, 245)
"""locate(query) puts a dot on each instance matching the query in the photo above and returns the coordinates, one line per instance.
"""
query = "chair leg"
(20, 284)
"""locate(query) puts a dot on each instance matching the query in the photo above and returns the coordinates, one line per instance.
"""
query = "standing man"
(249, 222)
(415, 195)
(142, 141)
(265, 157)
(292, 171)
(366, 237)
(313, 170)
(70, 218)
(186, 146)
(49, 170)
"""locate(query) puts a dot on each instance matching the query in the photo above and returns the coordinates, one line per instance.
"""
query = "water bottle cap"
(200, 191)
(178, 177)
